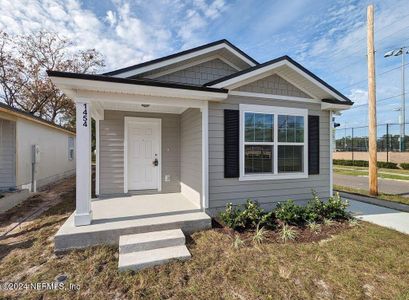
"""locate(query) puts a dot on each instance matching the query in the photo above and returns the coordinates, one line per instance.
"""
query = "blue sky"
(327, 37)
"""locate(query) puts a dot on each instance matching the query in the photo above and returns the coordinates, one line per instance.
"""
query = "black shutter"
(231, 143)
(313, 144)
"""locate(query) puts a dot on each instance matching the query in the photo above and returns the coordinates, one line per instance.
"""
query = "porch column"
(205, 155)
(83, 213)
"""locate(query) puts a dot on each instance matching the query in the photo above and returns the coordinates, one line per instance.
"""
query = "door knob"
(156, 162)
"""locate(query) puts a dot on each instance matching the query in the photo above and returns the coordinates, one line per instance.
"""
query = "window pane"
(258, 159)
(290, 129)
(258, 127)
(290, 159)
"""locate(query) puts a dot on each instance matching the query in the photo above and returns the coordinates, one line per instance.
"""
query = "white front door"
(143, 153)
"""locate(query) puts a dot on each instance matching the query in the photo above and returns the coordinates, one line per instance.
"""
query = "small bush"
(387, 165)
(336, 208)
(315, 209)
(236, 218)
(404, 166)
(251, 214)
(288, 233)
(290, 213)
(231, 217)
(364, 163)
(268, 220)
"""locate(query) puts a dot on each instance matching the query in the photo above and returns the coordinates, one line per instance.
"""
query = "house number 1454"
(85, 116)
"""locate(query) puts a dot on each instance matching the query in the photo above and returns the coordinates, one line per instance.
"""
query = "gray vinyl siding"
(266, 192)
(201, 73)
(112, 151)
(274, 85)
(7, 154)
(191, 148)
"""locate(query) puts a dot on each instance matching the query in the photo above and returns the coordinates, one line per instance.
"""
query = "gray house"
(181, 136)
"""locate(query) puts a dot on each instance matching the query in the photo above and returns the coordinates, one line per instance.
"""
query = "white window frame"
(275, 110)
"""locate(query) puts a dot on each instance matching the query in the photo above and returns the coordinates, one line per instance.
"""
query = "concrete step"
(105, 232)
(150, 240)
(143, 259)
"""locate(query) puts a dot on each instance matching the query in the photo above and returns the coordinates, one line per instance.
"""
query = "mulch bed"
(304, 234)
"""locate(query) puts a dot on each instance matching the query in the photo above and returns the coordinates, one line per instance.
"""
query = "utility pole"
(373, 171)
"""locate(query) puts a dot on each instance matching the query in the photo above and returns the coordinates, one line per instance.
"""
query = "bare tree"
(24, 61)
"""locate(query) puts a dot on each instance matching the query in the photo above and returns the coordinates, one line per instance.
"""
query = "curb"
(375, 201)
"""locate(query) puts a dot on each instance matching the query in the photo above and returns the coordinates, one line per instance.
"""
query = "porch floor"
(113, 217)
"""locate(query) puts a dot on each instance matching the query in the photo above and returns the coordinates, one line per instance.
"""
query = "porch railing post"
(83, 213)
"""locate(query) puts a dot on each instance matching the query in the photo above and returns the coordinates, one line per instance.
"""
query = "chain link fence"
(355, 139)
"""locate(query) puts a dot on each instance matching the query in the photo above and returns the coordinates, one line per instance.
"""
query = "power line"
(380, 74)
(380, 100)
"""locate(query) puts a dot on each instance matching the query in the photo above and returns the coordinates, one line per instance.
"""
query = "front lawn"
(352, 262)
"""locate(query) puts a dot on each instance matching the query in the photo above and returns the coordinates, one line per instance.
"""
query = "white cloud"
(359, 96)
(128, 33)
(111, 17)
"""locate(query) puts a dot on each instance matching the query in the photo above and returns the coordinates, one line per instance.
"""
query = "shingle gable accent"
(274, 85)
(200, 74)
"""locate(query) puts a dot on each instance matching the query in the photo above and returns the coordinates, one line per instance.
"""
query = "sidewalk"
(383, 213)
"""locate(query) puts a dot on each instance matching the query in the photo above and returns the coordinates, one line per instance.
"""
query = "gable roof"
(245, 57)
(269, 65)
(28, 116)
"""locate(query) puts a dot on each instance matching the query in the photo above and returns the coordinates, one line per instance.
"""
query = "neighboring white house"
(19, 132)
(181, 136)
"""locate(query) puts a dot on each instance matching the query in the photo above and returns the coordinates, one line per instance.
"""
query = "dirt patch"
(26, 212)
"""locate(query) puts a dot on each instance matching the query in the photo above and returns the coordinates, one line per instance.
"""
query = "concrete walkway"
(379, 215)
(387, 186)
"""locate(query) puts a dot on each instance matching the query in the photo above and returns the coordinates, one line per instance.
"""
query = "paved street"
(385, 185)
(382, 216)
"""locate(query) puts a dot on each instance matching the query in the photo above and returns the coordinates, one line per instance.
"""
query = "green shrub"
(249, 217)
(314, 210)
(364, 163)
(251, 214)
(231, 217)
(268, 220)
(387, 165)
(336, 208)
(349, 162)
(290, 213)
(404, 166)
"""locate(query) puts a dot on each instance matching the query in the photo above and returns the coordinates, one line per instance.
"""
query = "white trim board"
(205, 155)
(271, 96)
(128, 120)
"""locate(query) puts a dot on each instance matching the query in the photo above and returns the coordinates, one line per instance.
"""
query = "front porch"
(116, 216)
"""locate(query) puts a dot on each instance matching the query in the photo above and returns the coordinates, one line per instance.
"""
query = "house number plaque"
(85, 116)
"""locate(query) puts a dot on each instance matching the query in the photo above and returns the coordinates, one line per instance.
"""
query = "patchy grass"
(382, 196)
(363, 171)
(352, 262)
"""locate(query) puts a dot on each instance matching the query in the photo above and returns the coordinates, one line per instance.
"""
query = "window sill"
(273, 177)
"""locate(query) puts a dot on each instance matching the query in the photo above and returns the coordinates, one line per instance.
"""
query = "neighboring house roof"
(224, 81)
(28, 116)
(135, 81)
(251, 61)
